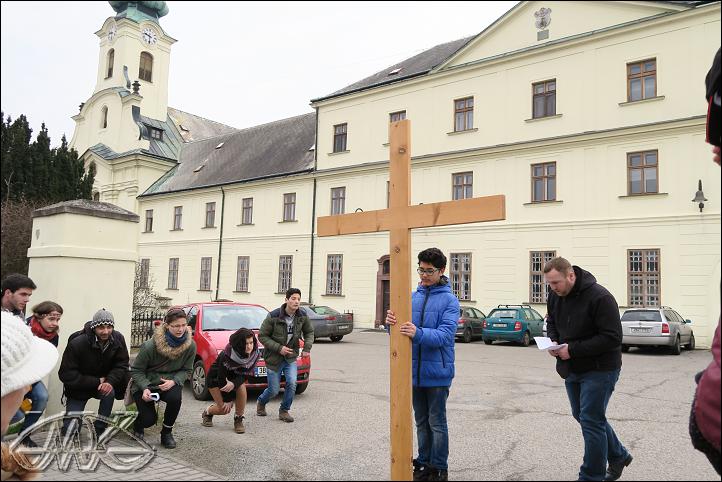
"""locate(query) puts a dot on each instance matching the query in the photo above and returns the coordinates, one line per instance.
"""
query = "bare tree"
(145, 298)
(15, 235)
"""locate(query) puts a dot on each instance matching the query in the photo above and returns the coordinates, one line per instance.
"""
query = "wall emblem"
(543, 18)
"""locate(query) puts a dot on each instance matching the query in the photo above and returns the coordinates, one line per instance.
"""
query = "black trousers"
(147, 414)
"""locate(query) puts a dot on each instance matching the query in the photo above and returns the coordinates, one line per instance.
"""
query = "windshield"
(324, 310)
(231, 318)
(640, 315)
(503, 314)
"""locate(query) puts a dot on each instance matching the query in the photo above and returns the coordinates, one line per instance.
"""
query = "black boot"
(437, 474)
(166, 439)
(614, 471)
(421, 471)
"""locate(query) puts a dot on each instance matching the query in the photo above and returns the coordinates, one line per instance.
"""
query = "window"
(338, 200)
(644, 277)
(642, 80)
(642, 173)
(104, 117)
(544, 182)
(210, 215)
(397, 116)
(538, 289)
(464, 114)
(177, 218)
(96, 196)
(144, 272)
(206, 264)
(463, 185)
(242, 274)
(111, 57)
(460, 270)
(247, 211)
(148, 220)
(339, 137)
(285, 264)
(334, 274)
(173, 273)
(544, 102)
(145, 72)
(155, 133)
(289, 206)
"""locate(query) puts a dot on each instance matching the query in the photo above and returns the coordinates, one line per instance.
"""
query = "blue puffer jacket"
(435, 312)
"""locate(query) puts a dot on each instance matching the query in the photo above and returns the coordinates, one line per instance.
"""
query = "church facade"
(588, 116)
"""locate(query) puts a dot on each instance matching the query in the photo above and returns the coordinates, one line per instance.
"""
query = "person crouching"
(227, 376)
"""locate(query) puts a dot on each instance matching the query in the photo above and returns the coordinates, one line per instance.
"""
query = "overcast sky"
(239, 63)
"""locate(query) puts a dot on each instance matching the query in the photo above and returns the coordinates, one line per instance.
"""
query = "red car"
(212, 325)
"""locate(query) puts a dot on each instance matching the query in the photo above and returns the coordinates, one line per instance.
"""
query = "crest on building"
(543, 18)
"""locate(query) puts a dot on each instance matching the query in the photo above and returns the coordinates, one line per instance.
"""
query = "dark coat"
(588, 320)
(273, 336)
(85, 362)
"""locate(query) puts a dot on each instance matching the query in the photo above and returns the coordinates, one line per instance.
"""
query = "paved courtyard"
(508, 416)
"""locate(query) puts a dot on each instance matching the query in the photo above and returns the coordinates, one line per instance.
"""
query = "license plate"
(640, 330)
(342, 327)
(260, 371)
(499, 325)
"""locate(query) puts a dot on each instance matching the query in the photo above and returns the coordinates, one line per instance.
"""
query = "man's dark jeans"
(78, 406)
(589, 394)
(431, 429)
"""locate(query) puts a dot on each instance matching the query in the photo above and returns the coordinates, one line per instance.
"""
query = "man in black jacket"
(584, 318)
(95, 365)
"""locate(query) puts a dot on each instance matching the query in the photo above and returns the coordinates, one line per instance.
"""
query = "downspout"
(313, 211)
(220, 242)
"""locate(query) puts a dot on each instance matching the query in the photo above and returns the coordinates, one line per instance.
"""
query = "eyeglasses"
(429, 271)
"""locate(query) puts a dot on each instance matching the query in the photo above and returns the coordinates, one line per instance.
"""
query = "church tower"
(128, 109)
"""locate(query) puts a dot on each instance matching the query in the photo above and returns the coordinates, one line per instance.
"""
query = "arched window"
(96, 196)
(104, 117)
(146, 67)
(111, 57)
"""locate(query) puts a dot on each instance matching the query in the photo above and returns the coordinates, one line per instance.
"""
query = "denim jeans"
(431, 429)
(589, 394)
(39, 396)
(75, 405)
(274, 384)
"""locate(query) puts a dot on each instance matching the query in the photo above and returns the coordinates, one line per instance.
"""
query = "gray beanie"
(102, 317)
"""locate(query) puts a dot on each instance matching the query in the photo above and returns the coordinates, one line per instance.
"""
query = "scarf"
(233, 361)
(40, 332)
(174, 342)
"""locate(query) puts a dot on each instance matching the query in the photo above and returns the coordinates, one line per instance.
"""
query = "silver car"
(656, 327)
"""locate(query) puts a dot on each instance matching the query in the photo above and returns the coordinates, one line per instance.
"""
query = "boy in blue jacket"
(434, 314)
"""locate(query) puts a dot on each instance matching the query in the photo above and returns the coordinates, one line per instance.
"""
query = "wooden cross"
(399, 219)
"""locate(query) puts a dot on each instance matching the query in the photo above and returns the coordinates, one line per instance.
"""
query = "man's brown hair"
(560, 264)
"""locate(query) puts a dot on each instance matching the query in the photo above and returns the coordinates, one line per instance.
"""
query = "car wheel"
(466, 338)
(300, 388)
(625, 348)
(690, 345)
(526, 340)
(488, 342)
(676, 348)
(198, 381)
(336, 338)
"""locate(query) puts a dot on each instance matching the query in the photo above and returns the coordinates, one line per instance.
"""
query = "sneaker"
(206, 419)
(421, 471)
(261, 409)
(167, 440)
(238, 424)
(614, 471)
(285, 416)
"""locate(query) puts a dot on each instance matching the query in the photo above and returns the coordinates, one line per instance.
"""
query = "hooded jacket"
(86, 361)
(174, 363)
(435, 312)
(588, 320)
(273, 336)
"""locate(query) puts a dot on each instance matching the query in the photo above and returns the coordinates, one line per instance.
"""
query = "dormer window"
(155, 133)
(145, 72)
(111, 58)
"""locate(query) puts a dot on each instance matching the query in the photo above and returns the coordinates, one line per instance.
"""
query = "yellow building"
(588, 116)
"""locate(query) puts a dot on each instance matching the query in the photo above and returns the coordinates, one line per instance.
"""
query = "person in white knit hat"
(25, 360)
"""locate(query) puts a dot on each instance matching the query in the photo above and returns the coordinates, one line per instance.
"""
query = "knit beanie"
(102, 317)
(25, 358)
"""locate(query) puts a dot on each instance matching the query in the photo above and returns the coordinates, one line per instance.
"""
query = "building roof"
(279, 148)
(194, 128)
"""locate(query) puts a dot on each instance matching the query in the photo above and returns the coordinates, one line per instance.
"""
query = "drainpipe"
(220, 242)
(313, 211)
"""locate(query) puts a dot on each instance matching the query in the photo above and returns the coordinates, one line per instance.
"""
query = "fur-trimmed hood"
(164, 349)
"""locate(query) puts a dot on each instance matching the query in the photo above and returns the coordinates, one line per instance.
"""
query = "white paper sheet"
(545, 343)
